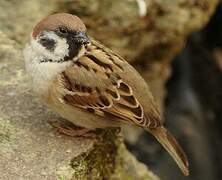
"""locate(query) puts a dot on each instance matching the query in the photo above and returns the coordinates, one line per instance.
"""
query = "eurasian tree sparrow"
(89, 85)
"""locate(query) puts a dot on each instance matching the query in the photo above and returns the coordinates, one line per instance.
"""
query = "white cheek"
(61, 48)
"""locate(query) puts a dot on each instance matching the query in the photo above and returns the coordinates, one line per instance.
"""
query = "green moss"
(6, 131)
(61, 177)
(109, 159)
(100, 162)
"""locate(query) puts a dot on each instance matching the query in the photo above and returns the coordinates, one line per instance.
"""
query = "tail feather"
(172, 147)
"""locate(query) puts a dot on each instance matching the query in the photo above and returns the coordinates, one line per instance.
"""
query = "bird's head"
(59, 37)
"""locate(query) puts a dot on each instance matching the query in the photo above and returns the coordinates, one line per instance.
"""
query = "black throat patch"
(74, 47)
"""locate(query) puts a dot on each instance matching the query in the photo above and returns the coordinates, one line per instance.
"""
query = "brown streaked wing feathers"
(109, 94)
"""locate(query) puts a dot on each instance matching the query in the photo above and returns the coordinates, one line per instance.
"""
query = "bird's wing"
(94, 84)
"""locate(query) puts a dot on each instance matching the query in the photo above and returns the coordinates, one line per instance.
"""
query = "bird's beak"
(82, 38)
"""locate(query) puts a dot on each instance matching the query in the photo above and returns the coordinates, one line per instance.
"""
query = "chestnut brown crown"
(53, 22)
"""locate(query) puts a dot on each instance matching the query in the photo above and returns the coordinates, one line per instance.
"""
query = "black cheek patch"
(48, 43)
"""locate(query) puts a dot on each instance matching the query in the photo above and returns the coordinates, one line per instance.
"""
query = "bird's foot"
(72, 130)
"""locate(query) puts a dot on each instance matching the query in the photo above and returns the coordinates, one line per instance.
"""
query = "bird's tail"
(172, 147)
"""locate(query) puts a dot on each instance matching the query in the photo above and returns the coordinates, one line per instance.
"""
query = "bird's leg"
(71, 130)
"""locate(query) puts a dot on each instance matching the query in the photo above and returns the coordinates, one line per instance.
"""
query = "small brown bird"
(89, 85)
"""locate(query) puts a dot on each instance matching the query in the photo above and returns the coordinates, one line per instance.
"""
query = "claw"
(71, 130)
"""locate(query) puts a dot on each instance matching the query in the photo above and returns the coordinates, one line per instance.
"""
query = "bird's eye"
(63, 30)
